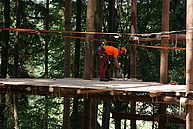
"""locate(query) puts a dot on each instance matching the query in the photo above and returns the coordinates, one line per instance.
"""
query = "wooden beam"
(130, 116)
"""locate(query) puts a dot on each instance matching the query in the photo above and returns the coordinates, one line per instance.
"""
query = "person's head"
(123, 51)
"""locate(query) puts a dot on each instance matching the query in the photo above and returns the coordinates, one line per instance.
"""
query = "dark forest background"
(40, 54)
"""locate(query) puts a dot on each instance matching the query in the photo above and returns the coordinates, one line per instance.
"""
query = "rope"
(103, 33)
(101, 40)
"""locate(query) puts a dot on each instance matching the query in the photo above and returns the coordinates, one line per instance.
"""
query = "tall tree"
(5, 39)
(133, 47)
(89, 48)
(106, 115)
(189, 63)
(98, 27)
(164, 58)
(66, 113)
(16, 52)
(67, 57)
(77, 44)
(46, 24)
(67, 45)
(133, 54)
(16, 59)
(164, 41)
(4, 59)
(112, 21)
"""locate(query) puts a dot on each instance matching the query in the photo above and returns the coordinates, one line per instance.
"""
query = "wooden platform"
(122, 89)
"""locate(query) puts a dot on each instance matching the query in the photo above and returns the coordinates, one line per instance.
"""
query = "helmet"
(124, 50)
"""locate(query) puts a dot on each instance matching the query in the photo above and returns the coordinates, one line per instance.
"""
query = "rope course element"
(104, 33)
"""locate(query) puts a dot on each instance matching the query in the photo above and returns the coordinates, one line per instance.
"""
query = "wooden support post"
(164, 58)
(133, 47)
(189, 62)
(164, 42)
(133, 111)
(66, 114)
(87, 114)
(106, 115)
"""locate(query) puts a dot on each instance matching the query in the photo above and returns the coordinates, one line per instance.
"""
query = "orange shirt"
(111, 51)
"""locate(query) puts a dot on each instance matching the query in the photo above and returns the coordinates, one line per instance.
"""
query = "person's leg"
(108, 72)
(102, 71)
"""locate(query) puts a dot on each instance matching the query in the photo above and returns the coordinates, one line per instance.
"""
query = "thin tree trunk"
(133, 110)
(46, 39)
(46, 113)
(15, 112)
(66, 114)
(2, 112)
(46, 22)
(112, 21)
(77, 44)
(87, 114)
(106, 115)
(164, 58)
(75, 116)
(117, 120)
(162, 113)
(164, 42)
(16, 51)
(133, 53)
(67, 45)
(5, 40)
(98, 25)
(89, 48)
(189, 62)
(16, 58)
(4, 59)
(94, 114)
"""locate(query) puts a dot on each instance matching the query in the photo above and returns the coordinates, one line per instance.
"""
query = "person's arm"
(116, 63)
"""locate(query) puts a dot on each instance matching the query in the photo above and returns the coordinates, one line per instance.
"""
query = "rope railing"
(99, 40)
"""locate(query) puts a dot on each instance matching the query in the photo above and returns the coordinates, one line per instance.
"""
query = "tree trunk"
(164, 42)
(106, 115)
(66, 113)
(5, 40)
(164, 58)
(2, 112)
(46, 113)
(112, 21)
(87, 114)
(189, 62)
(46, 38)
(16, 51)
(46, 22)
(75, 117)
(133, 53)
(4, 59)
(67, 45)
(77, 44)
(162, 113)
(117, 120)
(15, 112)
(98, 26)
(89, 48)
(133, 110)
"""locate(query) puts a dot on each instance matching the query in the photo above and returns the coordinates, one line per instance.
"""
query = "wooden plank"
(118, 85)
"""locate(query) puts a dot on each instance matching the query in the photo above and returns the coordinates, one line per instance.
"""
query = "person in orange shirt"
(104, 53)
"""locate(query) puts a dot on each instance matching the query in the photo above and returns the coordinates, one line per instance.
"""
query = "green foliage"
(32, 56)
